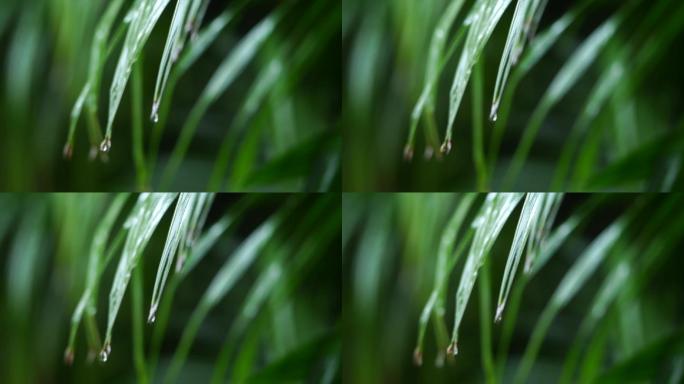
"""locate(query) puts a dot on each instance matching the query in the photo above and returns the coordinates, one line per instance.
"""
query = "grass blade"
(573, 280)
(96, 262)
(532, 207)
(432, 69)
(224, 76)
(572, 70)
(179, 227)
(435, 304)
(144, 16)
(141, 223)
(174, 42)
(485, 16)
(493, 215)
(90, 93)
(223, 282)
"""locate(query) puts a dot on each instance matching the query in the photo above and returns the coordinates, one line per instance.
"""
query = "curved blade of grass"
(485, 326)
(137, 309)
(542, 227)
(223, 282)
(486, 15)
(90, 92)
(180, 225)
(531, 210)
(548, 249)
(511, 50)
(573, 280)
(137, 125)
(87, 303)
(204, 243)
(568, 75)
(188, 58)
(538, 48)
(224, 76)
(174, 42)
(493, 215)
(271, 76)
(442, 271)
(278, 277)
(142, 222)
(144, 16)
(433, 69)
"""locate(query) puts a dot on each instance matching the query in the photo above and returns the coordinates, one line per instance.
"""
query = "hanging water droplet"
(494, 111)
(69, 356)
(104, 354)
(499, 313)
(417, 357)
(155, 112)
(106, 145)
(452, 349)
(408, 152)
(446, 147)
(68, 151)
(153, 314)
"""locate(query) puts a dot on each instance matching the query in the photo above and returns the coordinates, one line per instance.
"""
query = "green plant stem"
(478, 129)
(486, 324)
(137, 319)
(137, 125)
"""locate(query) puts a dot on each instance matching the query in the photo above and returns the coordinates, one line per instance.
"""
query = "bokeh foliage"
(278, 318)
(565, 321)
(269, 122)
(593, 103)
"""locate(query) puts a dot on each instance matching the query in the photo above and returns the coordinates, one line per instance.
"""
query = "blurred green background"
(633, 141)
(289, 142)
(390, 246)
(44, 242)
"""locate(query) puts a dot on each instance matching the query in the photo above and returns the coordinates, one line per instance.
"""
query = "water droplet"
(155, 112)
(92, 155)
(68, 151)
(452, 349)
(446, 147)
(494, 111)
(417, 357)
(408, 152)
(499, 313)
(106, 145)
(153, 314)
(104, 353)
(69, 356)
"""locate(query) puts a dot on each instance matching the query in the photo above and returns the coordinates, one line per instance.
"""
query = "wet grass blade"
(493, 215)
(483, 19)
(511, 51)
(573, 280)
(531, 210)
(180, 225)
(141, 223)
(96, 262)
(435, 304)
(174, 44)
(567, 77)
(90, 92)
(143, 17)
(433, 69)
(542, 227)
(223, 282)
(224, 76)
